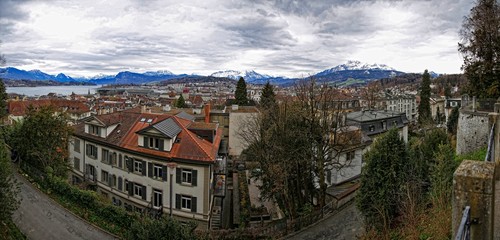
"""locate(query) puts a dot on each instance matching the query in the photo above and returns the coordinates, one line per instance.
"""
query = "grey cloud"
(258, 33)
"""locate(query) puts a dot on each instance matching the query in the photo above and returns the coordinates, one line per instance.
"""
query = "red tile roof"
(190, 146)
(20, 108)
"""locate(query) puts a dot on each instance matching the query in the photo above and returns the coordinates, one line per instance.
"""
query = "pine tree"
(241, 93)
(267, 99)
(480, 47)
(180, 103)
(453, 121)
(382, 179)
(3, 100)
(424, 109)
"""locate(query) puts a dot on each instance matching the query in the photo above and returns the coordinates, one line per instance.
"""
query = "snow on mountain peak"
(159, 73)
(357, 65)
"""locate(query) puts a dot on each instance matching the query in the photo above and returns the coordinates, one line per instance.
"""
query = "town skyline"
(282, 39)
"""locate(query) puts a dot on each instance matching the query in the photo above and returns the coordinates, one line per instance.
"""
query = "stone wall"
(473, 186)
(472, 132)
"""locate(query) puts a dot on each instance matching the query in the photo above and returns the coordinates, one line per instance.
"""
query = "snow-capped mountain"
(356, 65)
(249, 75)
(228, 73)
(159, 73)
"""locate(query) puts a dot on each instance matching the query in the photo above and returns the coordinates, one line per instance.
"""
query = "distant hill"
(348, 74)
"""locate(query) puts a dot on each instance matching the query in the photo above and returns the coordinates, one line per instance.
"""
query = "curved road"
(346, 224)
(39, 217)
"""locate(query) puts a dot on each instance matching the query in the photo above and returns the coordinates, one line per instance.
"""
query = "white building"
(129, 157)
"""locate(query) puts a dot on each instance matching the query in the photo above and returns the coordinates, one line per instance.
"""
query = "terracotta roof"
(188, 146)
(203, 126)
(20, 108)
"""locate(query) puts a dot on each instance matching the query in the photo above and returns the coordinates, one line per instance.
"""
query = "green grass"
(477, 155)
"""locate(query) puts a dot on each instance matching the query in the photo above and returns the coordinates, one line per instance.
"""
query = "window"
(138, 167)
(91, 151)
(154, 143)
(105, 156)
(138, 190)
(157, 171)
(113, 181)
(104, 177)
(186, 202)
(384, 125)
(157, 198)
(77, 145)
(394, 123)
(93, 129)
(186, 176)
(350, 155)
(76, 164)
(371, 128)
(453, 104)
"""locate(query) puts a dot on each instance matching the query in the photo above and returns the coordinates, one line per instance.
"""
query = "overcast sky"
(278, 37)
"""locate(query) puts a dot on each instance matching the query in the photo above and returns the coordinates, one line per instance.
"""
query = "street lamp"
(171, 166)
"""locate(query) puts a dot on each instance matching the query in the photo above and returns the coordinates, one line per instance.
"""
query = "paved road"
(38, 217)
(346, 224)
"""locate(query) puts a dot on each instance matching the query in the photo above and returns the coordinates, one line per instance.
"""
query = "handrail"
(490, 144)
(463, 232)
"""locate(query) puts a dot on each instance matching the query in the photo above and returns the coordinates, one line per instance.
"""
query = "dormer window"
(154, 143)
(94, 130)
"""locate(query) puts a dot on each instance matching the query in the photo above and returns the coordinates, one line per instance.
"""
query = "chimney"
(143, 109)
(207, 112)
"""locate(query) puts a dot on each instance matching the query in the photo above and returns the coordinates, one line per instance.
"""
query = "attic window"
(150, 120)
(143, 119)
(177, 140)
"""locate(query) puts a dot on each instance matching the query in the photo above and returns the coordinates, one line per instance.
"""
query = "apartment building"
(137, 159)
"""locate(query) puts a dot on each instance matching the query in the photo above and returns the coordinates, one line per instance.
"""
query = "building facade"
(137, 159)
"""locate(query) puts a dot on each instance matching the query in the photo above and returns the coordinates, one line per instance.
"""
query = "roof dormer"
(96, 127)
(160, 136)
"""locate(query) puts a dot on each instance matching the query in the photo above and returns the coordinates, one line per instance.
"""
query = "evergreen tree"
(3, 100)
(267, 99)
(241, 93)
(442, 173)
(382, 180)
(41, 140)
(452, 123)
(480, 47)
(180, 103)
(8, 187)
(424, 109)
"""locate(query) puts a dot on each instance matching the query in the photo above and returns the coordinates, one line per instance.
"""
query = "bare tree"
(370, 92)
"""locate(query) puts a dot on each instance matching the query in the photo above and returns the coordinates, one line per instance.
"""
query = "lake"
(63, 90)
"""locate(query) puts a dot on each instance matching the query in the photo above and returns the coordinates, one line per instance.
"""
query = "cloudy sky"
(278, 37)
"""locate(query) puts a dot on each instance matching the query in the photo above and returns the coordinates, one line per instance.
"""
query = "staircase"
(216, 221)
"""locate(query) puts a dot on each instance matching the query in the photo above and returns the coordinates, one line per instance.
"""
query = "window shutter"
(130, 163)
(164, 173)
(193, 204)
(120, 183)
(150, 169)
(144, 168)
(161, 147)
(146, 142)
(144, 193)
(177, 201)
(194, 177)
(130, 188)
(178, 175)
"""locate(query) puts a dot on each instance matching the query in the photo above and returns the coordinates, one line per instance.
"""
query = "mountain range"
(352, 72)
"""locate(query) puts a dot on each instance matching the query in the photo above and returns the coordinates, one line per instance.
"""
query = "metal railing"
(489, 152)
(463, 232)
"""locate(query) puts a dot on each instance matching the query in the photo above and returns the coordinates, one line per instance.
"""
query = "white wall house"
(126, 155)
